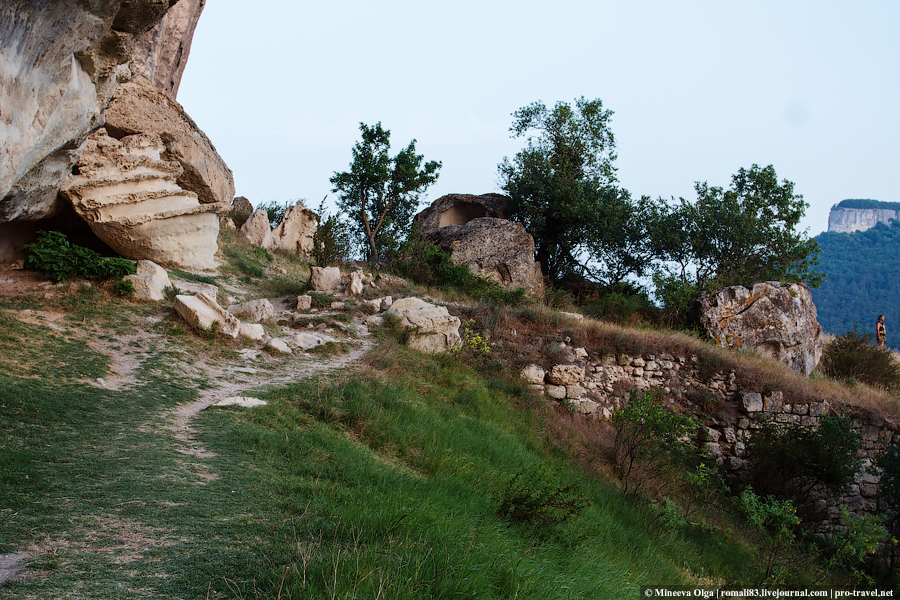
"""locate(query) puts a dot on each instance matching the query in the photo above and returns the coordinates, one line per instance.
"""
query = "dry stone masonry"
(597, 387)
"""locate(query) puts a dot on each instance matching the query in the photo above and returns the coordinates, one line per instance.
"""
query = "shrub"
(539, 498)
(331, 241)
(622, 303)
(651, 440)
(852, 356)
(789, 460)
(53, 255)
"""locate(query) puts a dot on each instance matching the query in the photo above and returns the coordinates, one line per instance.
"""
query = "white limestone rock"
(257, 311)
(256, 229)
(150, 281)
(295, 232)
(279, 345)
(304, 302)
(566, 375)
(242, 401)
(355, 286)
(324, 279)
(533, 374)
(432, 328)
(203, 312)
(253, 331)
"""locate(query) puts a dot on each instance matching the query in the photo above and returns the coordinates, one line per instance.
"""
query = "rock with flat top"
(256, 311)
(279, 345)
(565, 375)
(150, 281)
(242, 401)
(204, 313)
(253, 331)
(432, 328)
(324, 279)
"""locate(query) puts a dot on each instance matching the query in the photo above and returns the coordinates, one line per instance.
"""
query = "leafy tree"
(738, 236)
(380, 193)
(560, 180)
(617, 241)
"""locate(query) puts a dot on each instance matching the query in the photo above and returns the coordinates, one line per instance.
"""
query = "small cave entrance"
(15, 234)
(461, 213)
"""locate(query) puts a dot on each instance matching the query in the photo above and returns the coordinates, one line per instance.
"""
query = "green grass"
(388, 489)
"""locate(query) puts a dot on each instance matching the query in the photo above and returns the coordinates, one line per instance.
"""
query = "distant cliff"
(849, 216)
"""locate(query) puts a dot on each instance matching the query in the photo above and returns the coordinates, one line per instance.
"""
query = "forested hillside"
(862, 280)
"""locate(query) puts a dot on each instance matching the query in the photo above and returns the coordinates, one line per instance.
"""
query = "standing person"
(880, 333)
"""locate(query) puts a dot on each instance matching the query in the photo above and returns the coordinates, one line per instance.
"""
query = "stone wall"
(597, 386)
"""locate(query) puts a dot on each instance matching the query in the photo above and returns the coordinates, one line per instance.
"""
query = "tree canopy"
(379, 193)
(739, 236)
(558, 183)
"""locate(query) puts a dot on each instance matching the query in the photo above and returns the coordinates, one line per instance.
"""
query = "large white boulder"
(256, 229)
(128, 195)
(150, 281)
(774, 318)
(256, 311)
(324, 279)
(203, 312)
(432, 328)
(295, 232)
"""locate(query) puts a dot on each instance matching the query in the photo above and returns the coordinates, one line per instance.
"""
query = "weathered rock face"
(150, 281)
(459, 209)
(777, 319)
(161, 54)
(128, 196)
(432, 328)
(324, 279)
(138, 107)
(495, 248)
(59, 64)
(295, 232)
(256, 229)
(203, 312)
(849, 220)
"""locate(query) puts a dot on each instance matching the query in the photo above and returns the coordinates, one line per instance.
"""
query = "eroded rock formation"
(431, 328)
(161, 54)
(850, 220)
(129, 196)
(774, 318)
(473, 231)
(59, 65)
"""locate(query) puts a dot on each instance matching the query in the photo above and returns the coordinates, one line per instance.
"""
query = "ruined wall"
(597, 386)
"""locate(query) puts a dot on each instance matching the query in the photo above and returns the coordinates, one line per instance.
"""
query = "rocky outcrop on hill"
(473, 231)
(494, 248)
(774, 318)
(60, 64)
(128, 195)
(849, 220)
(161, 54)
(459, 209)
(294, 234)
(431, 328)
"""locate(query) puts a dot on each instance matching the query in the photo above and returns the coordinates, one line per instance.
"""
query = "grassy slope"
(382, 483)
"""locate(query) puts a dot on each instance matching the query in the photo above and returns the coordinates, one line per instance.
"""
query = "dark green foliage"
(321, 299)
(620, 304)
(867, 204)
(562, 180)
(124, 287)
(889, 497)
(332, 240)
(541, 499)
(738, 236)
(651, 441)
(789, 460)
(851, 355)
(275, 210)
(863, 279)
(53, 255)
(380, 194)
(249, 260)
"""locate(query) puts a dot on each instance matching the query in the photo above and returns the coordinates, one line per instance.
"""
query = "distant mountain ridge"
(861, 279)
(851, 215)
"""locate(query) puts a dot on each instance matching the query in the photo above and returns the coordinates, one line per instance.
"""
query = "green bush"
(789, 460)
(331, 241)
(541, 499)
(620, 304)
(53, 255)
(651, 441)
(851, 355)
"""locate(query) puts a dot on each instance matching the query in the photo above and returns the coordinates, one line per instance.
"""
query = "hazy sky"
(699, 89)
